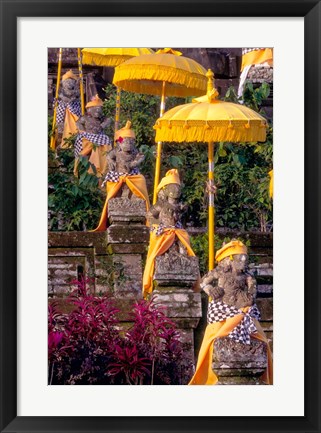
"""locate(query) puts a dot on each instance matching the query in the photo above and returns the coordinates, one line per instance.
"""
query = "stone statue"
(170, 254)
(126, 189)
(68, 106)
(91, 140)
(124, 159)
(233, 339)
(93, 121)
(168, 209)
(230, 282)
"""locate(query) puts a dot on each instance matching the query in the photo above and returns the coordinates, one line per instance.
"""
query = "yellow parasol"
(112, 57)
(208, 119)
(165, 73)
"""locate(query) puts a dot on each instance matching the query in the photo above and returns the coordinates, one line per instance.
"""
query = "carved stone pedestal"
(237, 363)
(174, 279)
(127, 242)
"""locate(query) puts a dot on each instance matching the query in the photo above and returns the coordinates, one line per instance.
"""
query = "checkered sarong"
(113, 176)
(219, 311)
(74, 107)
(159, 230)
(98, 139)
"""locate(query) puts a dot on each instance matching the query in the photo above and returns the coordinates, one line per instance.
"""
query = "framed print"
(28, 403)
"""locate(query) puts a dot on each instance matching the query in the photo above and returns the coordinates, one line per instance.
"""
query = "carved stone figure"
(230, 282)
(125, 158)
(93, 121)
(68, 105)
(123, 181)
(169, 252)
(168, 209)
(91, 140)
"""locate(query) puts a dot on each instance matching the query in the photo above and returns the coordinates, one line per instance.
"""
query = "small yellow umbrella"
(208, 119)
(112, 57)
(165, 73)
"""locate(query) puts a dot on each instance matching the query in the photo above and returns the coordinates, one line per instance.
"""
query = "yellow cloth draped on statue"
(70, 127)
(135, 182)
(257, 57)
(158, 245)
(97, 157)
(204, 375)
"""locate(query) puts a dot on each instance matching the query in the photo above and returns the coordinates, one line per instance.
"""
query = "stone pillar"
(237, 363)
(128, 239)
(174, 280)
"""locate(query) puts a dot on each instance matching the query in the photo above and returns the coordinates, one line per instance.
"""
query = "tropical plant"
(74, 202)
(241, 170)
(88, 345)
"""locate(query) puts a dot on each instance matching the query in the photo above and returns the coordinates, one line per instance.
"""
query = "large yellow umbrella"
(165, 73)
(112, 57)
(207, 119)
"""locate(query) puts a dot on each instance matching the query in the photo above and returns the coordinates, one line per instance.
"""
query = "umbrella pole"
(159, 148)
(117, 114)
(211, 254)
(53, 137)
(81, 83)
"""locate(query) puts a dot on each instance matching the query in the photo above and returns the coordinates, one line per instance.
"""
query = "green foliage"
(241, 170)
(50, 131)
(74, 203)
(141, 110)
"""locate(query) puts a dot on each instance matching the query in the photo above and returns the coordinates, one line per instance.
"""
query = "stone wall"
(72, 254)
(224, 62)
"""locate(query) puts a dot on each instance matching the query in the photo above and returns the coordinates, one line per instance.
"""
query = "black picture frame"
(9, 12)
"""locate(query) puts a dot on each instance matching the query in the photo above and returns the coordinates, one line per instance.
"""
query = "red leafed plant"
(88, 346)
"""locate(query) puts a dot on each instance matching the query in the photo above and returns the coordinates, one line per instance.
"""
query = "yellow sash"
(135, 182)
(70, 127)
(257, 57)
(157, 246)
(204, 375)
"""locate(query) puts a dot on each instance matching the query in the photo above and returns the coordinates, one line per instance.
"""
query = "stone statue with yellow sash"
(68, 108)
(91, 141)
(167, 233)
(232, 311)
(123, 178)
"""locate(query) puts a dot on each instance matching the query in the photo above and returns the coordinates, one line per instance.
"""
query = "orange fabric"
(97, 157)
(204, 375)
(135, 182)
(70, 127)
(158, 245)
(257, 57)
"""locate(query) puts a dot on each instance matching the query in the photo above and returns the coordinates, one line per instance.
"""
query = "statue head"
(69, 83)
(95, 107)
(170, 185)
(125, 133)
(233, 256)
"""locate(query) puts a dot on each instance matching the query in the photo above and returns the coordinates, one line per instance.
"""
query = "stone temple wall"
(116, 259)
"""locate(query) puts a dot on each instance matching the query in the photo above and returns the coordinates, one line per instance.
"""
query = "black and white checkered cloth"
(219, 311)
(248, 50)
(74, 107)
(113, 176)
(98, 139)
(159, 230)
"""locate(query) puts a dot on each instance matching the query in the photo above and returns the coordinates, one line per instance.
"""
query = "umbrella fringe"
(159, 73)
(219, 133)
(101, 60)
